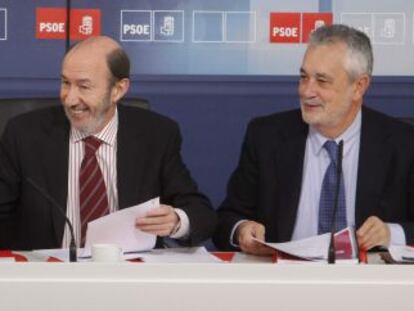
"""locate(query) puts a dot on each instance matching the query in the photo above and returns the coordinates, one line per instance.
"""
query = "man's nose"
(309, 88)
(70, 96)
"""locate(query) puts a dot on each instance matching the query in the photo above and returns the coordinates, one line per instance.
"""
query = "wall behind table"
(212, 111)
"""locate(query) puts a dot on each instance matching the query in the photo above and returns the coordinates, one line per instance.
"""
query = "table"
(222, 286)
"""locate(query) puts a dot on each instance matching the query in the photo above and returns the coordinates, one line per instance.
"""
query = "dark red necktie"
(93, 199)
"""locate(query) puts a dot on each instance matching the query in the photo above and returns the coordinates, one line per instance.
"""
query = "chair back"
(11, 107)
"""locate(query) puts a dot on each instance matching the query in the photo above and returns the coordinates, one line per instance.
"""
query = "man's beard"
(96, 121)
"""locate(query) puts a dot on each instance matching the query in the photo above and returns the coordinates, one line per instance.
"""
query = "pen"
(124, 253)
(134, 252)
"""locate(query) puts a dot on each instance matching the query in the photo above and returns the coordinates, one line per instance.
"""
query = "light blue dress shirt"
(315, 163)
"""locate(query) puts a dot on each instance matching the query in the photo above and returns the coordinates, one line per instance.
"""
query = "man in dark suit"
(278, 192)
(138, 158)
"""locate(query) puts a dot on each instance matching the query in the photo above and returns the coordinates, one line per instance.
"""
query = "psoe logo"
(136, 25)
(3, 24)
(51, 23)
(285, 27)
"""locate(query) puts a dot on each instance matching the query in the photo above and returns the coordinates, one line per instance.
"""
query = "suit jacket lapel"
(289, 171)
(129, 161)
(374, 159)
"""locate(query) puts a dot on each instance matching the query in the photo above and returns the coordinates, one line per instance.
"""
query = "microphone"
(331, 250)
(72, 247)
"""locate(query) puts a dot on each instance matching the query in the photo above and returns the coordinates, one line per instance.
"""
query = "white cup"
(106, 253)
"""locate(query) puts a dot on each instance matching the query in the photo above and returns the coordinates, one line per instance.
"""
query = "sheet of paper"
(401, 253)
(316, 248)
(119, 228)
(313, 248)
(179, 255)
(166, 255)
(63, 255)
(58, 253)
(7, 259)
(247, 258)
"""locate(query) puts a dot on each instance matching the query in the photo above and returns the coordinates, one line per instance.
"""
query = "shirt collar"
(107, 135)
(350, 135)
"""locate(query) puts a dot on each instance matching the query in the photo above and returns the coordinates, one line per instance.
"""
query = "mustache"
(312, 102)
(77, 106)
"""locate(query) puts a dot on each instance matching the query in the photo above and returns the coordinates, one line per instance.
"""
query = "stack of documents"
(315, 249)
(401, 254)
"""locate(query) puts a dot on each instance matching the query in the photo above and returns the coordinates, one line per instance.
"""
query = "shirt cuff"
(233, 241)
(397, 235)
(182, 230)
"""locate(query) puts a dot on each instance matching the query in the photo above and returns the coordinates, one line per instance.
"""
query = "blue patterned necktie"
(327, 200)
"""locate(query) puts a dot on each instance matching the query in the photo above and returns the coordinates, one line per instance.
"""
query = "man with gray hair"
(284, 186)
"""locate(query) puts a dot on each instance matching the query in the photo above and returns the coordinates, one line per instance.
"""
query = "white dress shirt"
(107, 160)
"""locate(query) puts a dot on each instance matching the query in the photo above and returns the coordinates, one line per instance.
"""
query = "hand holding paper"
(160, 221)
(119, 228)
(373, 232)
(248, 234)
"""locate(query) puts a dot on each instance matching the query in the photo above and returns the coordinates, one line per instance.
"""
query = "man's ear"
(119, 90)
(361, 86)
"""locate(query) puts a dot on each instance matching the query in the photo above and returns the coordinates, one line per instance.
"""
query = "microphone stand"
(72, 246)
(331, 249)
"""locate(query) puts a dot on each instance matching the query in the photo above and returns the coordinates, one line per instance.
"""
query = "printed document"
(119, 228)
(316, 248)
